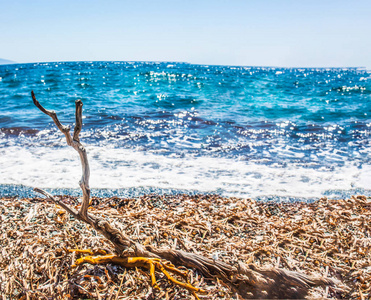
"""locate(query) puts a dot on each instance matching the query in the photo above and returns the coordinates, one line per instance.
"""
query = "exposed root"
(143, 262)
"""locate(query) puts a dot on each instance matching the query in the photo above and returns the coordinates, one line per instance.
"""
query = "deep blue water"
(268, 133)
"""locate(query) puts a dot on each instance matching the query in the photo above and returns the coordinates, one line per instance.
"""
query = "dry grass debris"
(327, 238)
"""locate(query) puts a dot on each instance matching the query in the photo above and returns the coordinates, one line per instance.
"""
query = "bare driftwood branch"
(121, 241)
(246, 280)
(75, 143)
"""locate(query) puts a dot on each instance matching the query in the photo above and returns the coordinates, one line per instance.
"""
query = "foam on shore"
(141, 172)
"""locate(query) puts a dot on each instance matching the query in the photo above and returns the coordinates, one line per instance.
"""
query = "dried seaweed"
(327, 238)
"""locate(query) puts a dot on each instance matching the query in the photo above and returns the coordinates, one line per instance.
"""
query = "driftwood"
(247, 280)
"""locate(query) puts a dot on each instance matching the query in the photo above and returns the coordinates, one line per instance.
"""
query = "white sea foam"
(114, 168)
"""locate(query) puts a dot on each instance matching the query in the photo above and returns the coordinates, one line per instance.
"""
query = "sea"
(266, 133)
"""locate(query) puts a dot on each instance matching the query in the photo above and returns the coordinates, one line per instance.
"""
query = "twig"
(70, 210)
(122, 279)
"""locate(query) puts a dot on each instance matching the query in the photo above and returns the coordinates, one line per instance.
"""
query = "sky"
(279, 33)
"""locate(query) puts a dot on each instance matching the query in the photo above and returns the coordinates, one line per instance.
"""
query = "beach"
(324, 239)
(255, 181)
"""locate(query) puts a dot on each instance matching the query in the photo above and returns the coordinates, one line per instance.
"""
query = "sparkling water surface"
(266, 133)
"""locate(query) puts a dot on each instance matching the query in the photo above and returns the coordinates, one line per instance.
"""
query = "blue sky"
(285, 33)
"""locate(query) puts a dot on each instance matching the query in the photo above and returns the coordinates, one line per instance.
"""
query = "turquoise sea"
(162, 127)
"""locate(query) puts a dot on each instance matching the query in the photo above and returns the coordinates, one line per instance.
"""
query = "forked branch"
(75, 143)
(121, 241)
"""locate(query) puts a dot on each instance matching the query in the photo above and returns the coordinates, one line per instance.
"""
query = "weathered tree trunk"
(248, 281)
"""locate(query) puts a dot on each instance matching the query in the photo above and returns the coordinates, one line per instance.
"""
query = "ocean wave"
(152, 126)
(114, 168)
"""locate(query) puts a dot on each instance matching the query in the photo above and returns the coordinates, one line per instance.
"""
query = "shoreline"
(327, 238)
(25, 191)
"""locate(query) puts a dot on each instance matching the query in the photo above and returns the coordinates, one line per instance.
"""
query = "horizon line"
(10, 62)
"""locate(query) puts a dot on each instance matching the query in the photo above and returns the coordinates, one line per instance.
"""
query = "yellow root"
(87, 251)
(130, 262)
